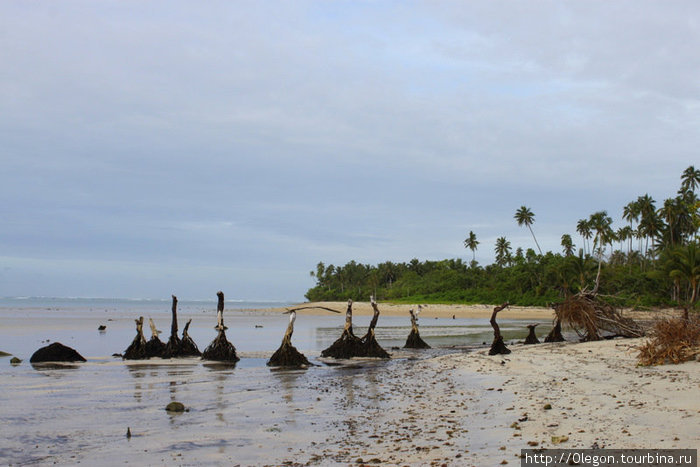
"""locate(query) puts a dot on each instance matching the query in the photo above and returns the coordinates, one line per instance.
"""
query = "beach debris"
(56, 352)
(370, 346)
(348, 345)
(220, 349)
(176, 347)
(547, 407)
(137, 348)
(154, 347)
(590, 316)
(414, 341)
(4, 354)
(559, 439)
(498, 347)
(14, 361)
(128, 432)
(287, 355)
(531, 337)
(175, 407)
(671, 340)
(101, 328)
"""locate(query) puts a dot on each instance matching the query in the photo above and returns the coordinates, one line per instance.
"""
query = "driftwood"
(137, 348)
(498, 347)
(414, 340)
(591, 318)
(531, 337)
(56, 352)
(220, 349)
(154, 347)
(370, 346)
(347, 345)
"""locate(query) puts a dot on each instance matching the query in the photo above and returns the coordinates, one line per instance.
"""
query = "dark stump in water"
(220, 349)
(414, 341)
(188, 348)
(154, 347)
(137, 348)
(531, 337)
(498, 347)
(555, 334)
(371, 348)
(348, 345)
(288, 355)
(56, 352)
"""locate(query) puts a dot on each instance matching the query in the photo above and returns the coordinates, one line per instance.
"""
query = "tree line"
(650, 261)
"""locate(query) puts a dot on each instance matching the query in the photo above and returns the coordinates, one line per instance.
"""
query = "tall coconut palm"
(685, 268)
(526, 217)
(583, 227)
(567, 244)
(502, 251)
(630, 213)
(690, 179)
(601, 223)
(472, 243)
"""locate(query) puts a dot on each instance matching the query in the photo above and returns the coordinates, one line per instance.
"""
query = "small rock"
(559, 439)
(14, 361)
(101, 327)
(548, 407)
(175, 407)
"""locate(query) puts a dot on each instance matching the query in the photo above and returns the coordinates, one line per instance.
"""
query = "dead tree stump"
(188, 348)
(414, 340)
(531, 337)
(137, 348)
(498, 347)
(347, 345)
(220, 349)
(287, 355)
(370, 346)
(555, 334)
(154, 347)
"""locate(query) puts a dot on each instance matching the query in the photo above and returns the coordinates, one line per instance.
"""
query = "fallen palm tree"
(671, 340)
(137, 348)
(220, 349)
(498, 347)
(414, 341)
(591, 317)
(348, 345)
(370, 346)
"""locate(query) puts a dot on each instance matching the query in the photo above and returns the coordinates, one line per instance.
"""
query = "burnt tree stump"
(414, 341)
(531, 337)
(498, 347)
(220, 349)
(137, 348)
(348, 345)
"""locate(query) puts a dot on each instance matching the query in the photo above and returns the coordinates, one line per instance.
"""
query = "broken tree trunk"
(370, 346)
(220, 349)
(172, 348)
(154, 346)
(347, 345)
(137, 349)
(414, 340)
(287, 355)
(555, 334)
(498, 347)
(188, 348)
(531, 337)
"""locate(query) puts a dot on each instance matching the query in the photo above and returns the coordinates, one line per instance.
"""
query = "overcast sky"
(158, 147)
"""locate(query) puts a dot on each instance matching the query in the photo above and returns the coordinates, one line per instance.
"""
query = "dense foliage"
(652, 261)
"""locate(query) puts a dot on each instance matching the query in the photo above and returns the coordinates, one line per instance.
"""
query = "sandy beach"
(450, 406)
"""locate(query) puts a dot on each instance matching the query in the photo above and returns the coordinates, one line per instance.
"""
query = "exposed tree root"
(137, 348)
(531, 337)
(347, 345)
(555, 334)
(498, 347)
(414, 341)
(590, 317)
(220, 349)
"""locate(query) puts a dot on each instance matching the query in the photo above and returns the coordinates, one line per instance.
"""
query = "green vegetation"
(653, 261)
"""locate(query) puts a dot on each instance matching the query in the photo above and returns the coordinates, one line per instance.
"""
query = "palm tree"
(525, 216)
(502, 251)
(601, 222)
(583, 227)
(685, 267)
(471, 242)
(567, 244)
(630, 213)
(690, 179)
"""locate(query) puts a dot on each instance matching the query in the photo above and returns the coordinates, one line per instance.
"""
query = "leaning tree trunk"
(414, 340)
(154, 347)
(555, 334)
(188, 348)
(498, 346)
(220, 349)
(137, 349)
(172, 348)
(287, 355)
(347, 345)
(370, 346)
(531, 337)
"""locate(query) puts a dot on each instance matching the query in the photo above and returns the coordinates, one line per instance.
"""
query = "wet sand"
(453, 407)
